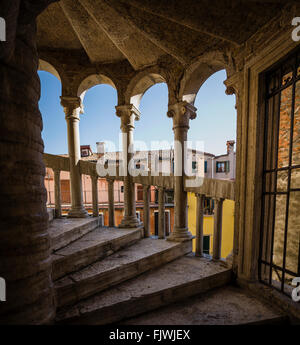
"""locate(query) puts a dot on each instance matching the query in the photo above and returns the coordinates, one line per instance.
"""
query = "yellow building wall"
(208, 224)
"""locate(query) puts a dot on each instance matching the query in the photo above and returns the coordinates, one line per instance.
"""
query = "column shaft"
(217, 242)
(57, 193)
(128, 113)
(161, 213)
(181, 113)
(146, 199)
(199, 224)
(95, 195)
(111, 203)
(72, 109)
(25, 255)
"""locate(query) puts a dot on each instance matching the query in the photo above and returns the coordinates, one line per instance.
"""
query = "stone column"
(94, 179)
(218, 213)
(72, 109)
(57, 193)
(235, 87)
(181, 113)
(146, 199)
(25, 256)
(161, 213)
(111, 203)
(199, 224)
(128, 114)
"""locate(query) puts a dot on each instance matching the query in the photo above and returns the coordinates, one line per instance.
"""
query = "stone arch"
(91, 81)
(140, 84)
(199, 71)
(47, 67)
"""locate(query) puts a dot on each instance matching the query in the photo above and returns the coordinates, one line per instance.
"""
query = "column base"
(130, 222)
(180, 235)
(78, 212)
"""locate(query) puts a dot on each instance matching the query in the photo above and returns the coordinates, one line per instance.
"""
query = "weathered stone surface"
(211, 187)
(95, 245)
(174, 281)
(223, 306)
(143, 32)
(145, 255)
(63, 231)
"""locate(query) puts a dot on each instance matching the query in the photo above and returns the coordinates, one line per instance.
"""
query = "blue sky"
(215, 122)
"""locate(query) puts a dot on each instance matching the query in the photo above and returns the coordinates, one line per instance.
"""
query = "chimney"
(230, 146)
(100, 148)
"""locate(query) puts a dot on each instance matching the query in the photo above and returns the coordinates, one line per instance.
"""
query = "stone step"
(64, 231)
(228, 305)
(143, 256)
(91, 247)
(175, 281)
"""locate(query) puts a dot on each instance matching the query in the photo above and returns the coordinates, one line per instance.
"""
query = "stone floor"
(227, 305)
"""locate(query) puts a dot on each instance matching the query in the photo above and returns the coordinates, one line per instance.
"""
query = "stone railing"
(218, 190)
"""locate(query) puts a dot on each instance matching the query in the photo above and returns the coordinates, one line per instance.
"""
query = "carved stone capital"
(72, 107)
(230, 90)
(128, 113)
(182, 113)
(234, 86)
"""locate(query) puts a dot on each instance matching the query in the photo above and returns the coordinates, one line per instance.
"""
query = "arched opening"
(153, 135)
(198, 72)
(136, 89)
(91, 81)
(99, 123)
(47, 67)
(214, 133)
(99, 134)
(54, 133)
(54, 124)
(153, 107)
(215, 123)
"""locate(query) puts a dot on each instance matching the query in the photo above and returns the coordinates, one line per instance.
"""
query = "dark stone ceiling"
(142, 31)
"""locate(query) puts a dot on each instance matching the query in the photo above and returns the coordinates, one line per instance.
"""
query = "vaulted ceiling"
(142, 31)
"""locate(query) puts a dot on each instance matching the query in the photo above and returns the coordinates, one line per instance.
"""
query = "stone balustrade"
(218, 190)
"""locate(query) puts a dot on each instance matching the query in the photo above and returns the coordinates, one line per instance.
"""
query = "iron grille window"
(279, 259)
